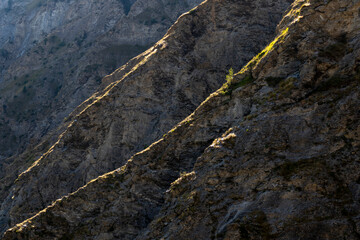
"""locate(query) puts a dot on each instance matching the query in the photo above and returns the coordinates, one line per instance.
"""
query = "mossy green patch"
(246, 71)
(230, 86)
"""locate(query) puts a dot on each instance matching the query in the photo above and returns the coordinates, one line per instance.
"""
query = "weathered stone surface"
(284, 163)
(53, 55)
(145, 99)
(290, 169)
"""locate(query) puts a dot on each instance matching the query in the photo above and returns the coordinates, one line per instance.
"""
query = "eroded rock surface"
(53, 55)
(145, 99)
(274, 154)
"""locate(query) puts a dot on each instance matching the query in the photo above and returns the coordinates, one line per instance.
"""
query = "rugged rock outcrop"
(145, 99)
(273, 154)
(53, 55)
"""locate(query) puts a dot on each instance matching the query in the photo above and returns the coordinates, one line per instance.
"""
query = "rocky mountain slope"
(145, 99)
(53, 55)
(273, 154)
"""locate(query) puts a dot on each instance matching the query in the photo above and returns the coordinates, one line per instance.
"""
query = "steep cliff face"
(53, 55)
(273, 154)
(145, 99)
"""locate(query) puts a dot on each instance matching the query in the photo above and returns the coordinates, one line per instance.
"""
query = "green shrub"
(230, 76)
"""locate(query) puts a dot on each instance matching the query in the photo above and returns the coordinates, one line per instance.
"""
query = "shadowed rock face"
(53, 55)
(145, 99)
(273, 154)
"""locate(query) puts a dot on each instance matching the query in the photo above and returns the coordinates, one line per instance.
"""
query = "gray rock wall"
(147, 97)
